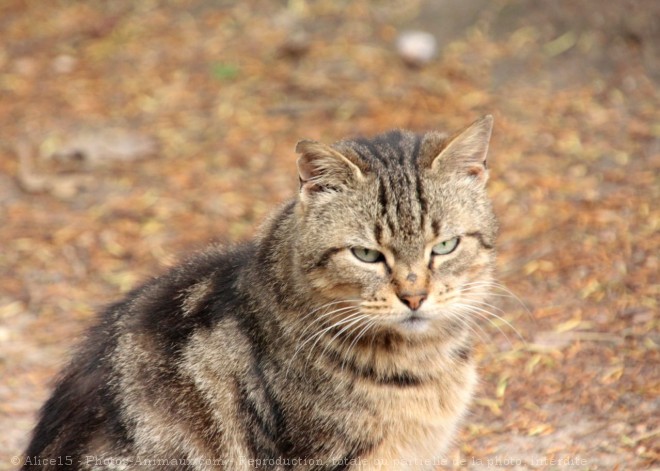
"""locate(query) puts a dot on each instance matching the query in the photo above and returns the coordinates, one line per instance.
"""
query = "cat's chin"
(415, 323)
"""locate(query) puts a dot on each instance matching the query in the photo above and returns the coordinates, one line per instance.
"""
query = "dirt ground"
(132, 133)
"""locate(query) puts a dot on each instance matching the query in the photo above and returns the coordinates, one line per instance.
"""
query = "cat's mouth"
(415, 323)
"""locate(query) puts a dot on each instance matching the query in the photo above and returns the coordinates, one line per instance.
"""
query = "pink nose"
(413, 300)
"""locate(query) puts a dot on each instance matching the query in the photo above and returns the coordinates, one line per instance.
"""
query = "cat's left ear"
(322, 168)
(466, 152)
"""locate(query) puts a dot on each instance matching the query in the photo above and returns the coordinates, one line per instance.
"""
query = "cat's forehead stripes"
(402, 202)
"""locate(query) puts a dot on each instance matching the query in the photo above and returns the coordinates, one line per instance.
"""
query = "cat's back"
(140, 365)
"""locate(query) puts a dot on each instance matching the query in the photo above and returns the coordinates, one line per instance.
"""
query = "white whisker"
(318, 334)
(326, 305)
(467, 322)
(484, 313)
(347, 322)
(350, 316)
(485, 317)
(354, 320)
(364, 330)
(325, 316)
(484, 303)
(507, 293)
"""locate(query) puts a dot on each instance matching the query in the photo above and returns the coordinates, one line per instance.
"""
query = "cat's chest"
(415, 424)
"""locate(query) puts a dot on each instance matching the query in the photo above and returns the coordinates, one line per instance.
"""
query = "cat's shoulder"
(188, 296)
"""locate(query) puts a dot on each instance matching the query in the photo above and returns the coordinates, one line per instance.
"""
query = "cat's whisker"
(332, 313)
(456, 308)
(346, 323)
(353, 322)
(507, 294)
(327, 305)
(471, 303)
(479, 296)
(336, 312)
(484, 289)
(347, 312)
(317, 336)
(325, 315)
(485, 303)
(467, 322)
(347, 336)
(373, 337)
(485, 313)
(359, 335)
(486, 318)
(476, 288)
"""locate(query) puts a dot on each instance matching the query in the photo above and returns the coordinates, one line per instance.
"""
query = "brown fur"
(339, 339)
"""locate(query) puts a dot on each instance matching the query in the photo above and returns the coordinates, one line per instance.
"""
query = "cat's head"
(397, 228)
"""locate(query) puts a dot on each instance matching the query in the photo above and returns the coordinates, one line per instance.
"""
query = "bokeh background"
(133, 133)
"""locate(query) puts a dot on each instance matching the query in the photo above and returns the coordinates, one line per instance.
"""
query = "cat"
(339, 338)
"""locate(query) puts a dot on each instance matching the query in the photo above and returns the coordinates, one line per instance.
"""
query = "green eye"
(367, 255)
(446, 247)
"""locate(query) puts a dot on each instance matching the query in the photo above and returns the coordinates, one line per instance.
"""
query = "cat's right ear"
(464, 153)
(321, 168)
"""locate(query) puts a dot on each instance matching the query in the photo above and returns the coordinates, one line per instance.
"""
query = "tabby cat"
(339, 338)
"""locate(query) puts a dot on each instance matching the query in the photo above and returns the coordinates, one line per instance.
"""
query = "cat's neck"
(273, 268)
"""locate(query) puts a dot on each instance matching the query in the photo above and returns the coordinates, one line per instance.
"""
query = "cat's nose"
(413, 300)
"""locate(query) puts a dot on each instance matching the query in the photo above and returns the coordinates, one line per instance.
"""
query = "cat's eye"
(367, 255)
(446, 247)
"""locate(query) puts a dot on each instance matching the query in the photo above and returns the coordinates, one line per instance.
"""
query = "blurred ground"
(135, 132)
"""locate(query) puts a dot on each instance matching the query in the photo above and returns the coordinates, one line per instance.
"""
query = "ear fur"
(322, 168)
(466, 152)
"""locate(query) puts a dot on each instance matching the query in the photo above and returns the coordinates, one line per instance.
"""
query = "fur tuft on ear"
(466, 151)
(322, 168)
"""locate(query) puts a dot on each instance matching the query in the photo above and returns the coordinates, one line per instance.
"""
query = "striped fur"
(289, 352)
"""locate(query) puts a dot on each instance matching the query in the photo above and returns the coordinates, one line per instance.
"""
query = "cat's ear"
(466, 151)
(322, 168)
